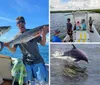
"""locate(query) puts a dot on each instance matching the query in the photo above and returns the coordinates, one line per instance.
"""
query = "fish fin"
(73, 46)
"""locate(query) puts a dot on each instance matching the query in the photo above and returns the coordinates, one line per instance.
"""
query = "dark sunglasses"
(20, 21)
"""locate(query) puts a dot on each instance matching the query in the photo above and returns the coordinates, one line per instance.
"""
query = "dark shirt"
(30, 51)
(90, 21)
(69, 27)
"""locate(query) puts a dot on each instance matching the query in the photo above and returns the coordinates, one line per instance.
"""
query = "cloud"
(6, 19)
(74, 4)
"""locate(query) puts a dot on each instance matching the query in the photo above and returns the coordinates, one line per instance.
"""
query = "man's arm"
(44, 32)
(12, 49)
(43, 40)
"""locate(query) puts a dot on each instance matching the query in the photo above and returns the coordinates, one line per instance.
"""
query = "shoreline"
(68, 11)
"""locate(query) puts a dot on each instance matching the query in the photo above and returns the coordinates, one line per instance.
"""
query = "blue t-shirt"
(56, 39)
(77, 27)
(84, 26)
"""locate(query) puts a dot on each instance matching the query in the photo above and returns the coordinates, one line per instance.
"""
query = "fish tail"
(1, 45)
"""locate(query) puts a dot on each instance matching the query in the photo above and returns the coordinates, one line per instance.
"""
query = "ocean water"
(44, 51)
(93, 67)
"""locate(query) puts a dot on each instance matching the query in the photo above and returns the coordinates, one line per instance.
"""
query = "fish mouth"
(86, 61)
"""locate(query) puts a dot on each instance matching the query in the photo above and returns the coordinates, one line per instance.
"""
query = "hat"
(57, 31)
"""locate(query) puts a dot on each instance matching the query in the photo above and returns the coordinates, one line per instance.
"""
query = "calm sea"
(44, 51)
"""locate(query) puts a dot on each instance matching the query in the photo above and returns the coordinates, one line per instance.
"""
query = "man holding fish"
(32, 59)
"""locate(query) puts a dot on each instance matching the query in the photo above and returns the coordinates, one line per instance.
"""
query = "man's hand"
(45, 30)
(12, 49)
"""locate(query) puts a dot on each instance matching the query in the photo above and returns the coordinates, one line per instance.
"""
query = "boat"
(82, 35)
(6, 64)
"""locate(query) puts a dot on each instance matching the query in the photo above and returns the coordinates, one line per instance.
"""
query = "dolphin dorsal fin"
(73, 46)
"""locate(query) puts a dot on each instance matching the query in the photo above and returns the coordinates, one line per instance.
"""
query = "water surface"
(93, 68)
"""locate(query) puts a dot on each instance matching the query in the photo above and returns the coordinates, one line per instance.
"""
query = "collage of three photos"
(50, 42)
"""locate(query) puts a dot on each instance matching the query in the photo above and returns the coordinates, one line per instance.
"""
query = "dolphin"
(77, 54)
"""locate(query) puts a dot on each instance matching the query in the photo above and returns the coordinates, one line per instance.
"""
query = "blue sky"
(35, 12)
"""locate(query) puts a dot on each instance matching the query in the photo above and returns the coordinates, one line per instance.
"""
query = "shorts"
(38, 71)
(70, 33)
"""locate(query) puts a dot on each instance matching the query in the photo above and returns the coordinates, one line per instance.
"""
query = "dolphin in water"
(77, 54)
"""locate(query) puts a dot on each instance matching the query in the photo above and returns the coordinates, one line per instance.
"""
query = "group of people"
(80, 26)
(77, 26)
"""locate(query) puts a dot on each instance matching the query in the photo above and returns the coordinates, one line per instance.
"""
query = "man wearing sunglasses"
(32, 59)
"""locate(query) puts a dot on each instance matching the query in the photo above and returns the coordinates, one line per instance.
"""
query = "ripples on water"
(93, 68)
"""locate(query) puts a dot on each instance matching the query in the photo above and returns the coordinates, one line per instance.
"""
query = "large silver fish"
(4, 29)
(26, 36)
